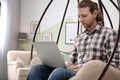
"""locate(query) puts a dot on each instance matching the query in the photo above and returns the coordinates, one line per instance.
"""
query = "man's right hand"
(73, 67)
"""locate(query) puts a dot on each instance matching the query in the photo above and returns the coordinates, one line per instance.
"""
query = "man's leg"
(39, 72)
(61, 74)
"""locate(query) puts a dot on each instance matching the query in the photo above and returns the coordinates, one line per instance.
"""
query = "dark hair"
(92, 7)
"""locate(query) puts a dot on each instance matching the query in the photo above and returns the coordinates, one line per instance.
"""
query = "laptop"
(49, 54)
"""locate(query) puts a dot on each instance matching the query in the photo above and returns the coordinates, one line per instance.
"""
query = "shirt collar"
(97, 28)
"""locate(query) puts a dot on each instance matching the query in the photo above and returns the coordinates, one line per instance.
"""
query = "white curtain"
(3, 27)
(9, 28)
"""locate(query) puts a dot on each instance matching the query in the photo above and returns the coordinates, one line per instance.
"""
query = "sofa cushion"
(22, 71)
(20, 62)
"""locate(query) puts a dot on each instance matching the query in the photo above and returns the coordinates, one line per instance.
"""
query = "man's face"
(86, 18)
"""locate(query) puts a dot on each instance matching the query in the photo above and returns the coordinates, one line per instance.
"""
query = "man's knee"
(36, 68)
(59, 70)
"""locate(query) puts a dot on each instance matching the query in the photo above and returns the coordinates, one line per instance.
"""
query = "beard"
(86, 26)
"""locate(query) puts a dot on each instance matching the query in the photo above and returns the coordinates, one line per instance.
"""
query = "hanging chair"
(95, 69)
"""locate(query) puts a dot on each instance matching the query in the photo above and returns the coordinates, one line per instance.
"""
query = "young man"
(95, 43)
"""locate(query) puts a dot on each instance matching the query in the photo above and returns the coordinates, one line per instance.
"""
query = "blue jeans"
(42, 72)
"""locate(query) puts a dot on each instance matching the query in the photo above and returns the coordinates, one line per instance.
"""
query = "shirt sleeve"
(110, 47)
(74, 54)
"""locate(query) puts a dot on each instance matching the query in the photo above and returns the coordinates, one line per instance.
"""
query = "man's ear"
(95, 13)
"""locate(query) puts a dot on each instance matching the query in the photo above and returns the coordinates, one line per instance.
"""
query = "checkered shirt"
(97, 45)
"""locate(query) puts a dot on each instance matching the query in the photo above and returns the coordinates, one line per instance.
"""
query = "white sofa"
(19, 64)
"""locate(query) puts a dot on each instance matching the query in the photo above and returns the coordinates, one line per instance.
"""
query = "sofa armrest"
(12, 68)
(16, 64)
(22, 73)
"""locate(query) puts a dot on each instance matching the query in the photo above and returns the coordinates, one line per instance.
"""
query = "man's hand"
(73, 67)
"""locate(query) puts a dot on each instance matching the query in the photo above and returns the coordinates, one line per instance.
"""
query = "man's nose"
(81, 20)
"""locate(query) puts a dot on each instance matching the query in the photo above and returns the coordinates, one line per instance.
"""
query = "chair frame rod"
(115, 5)
(62, 21)
(31, 55)
(112, 55)
(107, 14)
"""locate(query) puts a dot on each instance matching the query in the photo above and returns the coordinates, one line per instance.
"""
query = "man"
(95, 43)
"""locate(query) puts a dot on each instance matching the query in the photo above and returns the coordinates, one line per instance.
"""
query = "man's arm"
(110, 46)
(73, 56)
(73, 60)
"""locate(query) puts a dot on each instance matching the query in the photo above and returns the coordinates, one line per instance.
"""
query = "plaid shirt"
(97, 45)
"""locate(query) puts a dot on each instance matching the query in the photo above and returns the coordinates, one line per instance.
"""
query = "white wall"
(31, 10)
